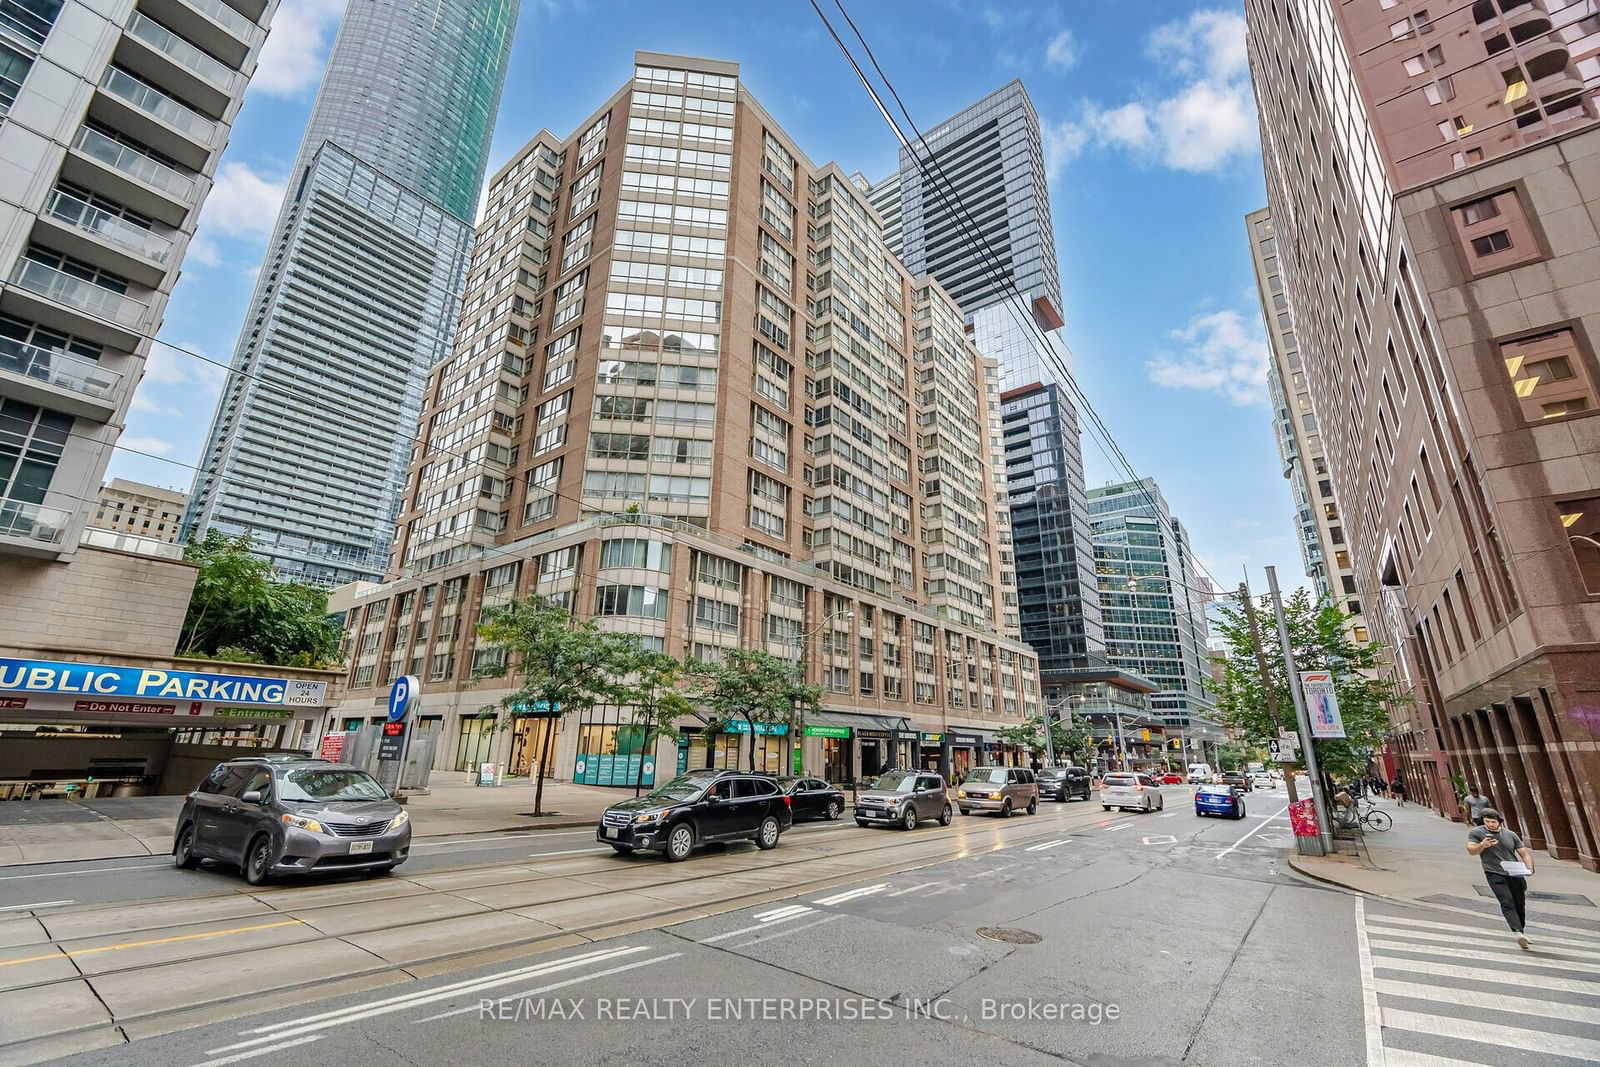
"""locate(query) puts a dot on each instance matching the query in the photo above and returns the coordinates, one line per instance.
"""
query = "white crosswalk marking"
(1478, 996)
(780, 913)
(851, 894)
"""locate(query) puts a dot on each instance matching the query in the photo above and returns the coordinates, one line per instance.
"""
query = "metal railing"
(149, 99)
(87, 297)
(27, 24)
(225, 16)
(133, 163)
(113, 228)
(18, 518)
(55, 367)
(182, 52)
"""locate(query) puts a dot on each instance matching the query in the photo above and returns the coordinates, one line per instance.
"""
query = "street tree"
(238, 611)
(1320, 641)
(754, 687)
(564, 664)
(650, 692)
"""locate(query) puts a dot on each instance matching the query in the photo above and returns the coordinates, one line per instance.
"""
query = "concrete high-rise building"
(1154, 601)
(143, 510)
(1323, 545)
(112, 117)
(970, 205)
(1434, 187)
(712, 409)
(360, 291)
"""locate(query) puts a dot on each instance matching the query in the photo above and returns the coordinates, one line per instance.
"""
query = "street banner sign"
(332, 747)
(1321, 705)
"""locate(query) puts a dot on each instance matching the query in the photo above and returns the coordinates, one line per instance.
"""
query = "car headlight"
(304, 823)
(399, 820)
(649, 816)
(961, 793)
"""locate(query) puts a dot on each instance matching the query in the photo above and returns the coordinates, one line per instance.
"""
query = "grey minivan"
(1002, 790)
(291, 815)
(904, 798)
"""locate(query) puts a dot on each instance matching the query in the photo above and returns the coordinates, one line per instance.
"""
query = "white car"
(1129, 789)
(1263, 781)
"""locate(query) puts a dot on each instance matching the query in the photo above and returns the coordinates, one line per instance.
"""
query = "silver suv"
(276, 815)
(904, 798)
(999, 789)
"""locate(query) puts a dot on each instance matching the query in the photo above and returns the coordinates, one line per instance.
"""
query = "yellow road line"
(63, 953)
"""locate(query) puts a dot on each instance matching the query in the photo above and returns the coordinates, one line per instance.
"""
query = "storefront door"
(528, 739)
(475, 744)
(836, 759)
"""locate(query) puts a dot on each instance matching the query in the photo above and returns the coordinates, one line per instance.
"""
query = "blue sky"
(1151, 136)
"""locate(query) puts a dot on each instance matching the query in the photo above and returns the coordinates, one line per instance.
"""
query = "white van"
(1199, 773)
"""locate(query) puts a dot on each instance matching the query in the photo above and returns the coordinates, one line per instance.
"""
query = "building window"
(1495, 232)
(640, 601)
(1489, 244)
(1580, 521)
(1549, 375)
(1477, 211)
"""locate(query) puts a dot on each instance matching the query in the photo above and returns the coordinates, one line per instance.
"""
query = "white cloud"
(1063, 142)
(145, 404)
(296, 49)
(1203, 118)
(171, 365)
(1062, 51)
(241, 203)
(155, 446)
(203, 251)
(1222, 352)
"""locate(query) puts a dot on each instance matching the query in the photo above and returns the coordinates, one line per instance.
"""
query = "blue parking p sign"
(403, 694)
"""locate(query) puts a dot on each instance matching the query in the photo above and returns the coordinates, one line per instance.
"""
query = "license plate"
(612, 831)
(358, 847)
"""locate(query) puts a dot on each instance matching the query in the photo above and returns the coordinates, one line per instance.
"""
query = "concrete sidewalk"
(55, 831)
(1423, 859)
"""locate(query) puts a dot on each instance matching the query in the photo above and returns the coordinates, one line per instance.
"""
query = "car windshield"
(897, 782)
(322, 785)
(988, 776)
(683, 787)
(1120, 779)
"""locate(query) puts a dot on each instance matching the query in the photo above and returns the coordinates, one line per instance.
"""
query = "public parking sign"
(392, 745)
(402, 695)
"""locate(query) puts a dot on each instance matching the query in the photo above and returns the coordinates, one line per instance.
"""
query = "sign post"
(396, 740)
(1319, 799)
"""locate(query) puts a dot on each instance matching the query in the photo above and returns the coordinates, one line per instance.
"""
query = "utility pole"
(1318, 799)
(1267, 688)
(1049, 744)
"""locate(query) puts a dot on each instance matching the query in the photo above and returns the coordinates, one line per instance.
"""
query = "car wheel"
(908, 821)
(680, 842)
(623, 850)
(835, 809)
(1241, 812)
(1033, 805)
(767, 833)
(946, 816)
(258, 860)
(183, 851)
(1005, 808)
(1106, 806)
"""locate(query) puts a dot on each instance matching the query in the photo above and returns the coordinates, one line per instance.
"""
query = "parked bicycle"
(1361, 814)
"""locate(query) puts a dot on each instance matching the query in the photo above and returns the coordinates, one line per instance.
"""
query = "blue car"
(1219, 800)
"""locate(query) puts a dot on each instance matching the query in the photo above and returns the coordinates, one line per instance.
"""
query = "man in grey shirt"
(1476, 804)
(1496, 846)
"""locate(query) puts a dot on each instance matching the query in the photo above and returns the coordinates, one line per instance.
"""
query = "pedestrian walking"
(1398, 788)
(1507, 862)
(1476, 804)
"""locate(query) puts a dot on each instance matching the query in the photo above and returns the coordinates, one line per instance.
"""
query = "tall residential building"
(1154, 602)
(360, 290)
(707, 405)
(1323, 545)
(1441, 286)
(970, 205)
(144, 510)
(112, 117)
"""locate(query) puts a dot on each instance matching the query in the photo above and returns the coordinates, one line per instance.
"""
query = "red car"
(1172, 779)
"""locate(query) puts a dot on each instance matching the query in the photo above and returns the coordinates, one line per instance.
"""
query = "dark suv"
(275, 816)
(1064, 783)
(697, 808)
(1237, 779)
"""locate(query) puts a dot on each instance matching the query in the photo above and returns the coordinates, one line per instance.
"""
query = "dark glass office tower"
(360, 291)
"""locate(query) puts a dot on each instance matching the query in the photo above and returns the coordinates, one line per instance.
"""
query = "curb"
(1295, 865)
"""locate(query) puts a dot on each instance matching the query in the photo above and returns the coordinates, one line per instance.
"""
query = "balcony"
(60, 380)
(33, 526)
(135, 164)
(91, 299)
(195, 60)
(172, 128)
(86, 218)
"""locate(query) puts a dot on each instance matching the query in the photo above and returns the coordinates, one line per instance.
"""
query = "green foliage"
(651, 694)
(1072, 742)
(1320, 642)
(754, 686)
(237, 612)
(565, 664)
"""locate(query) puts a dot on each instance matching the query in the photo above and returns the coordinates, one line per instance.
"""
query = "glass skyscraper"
(360, 290)
(970, 205)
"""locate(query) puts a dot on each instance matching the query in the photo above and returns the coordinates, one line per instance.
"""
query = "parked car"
(1002, 790)
(812, 798)
(1131, 789)
(698, 808)
(1219, 800)
(904, 798)
(1237, 779)
(1064, 783)
(1172, 778)
(291, 816)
